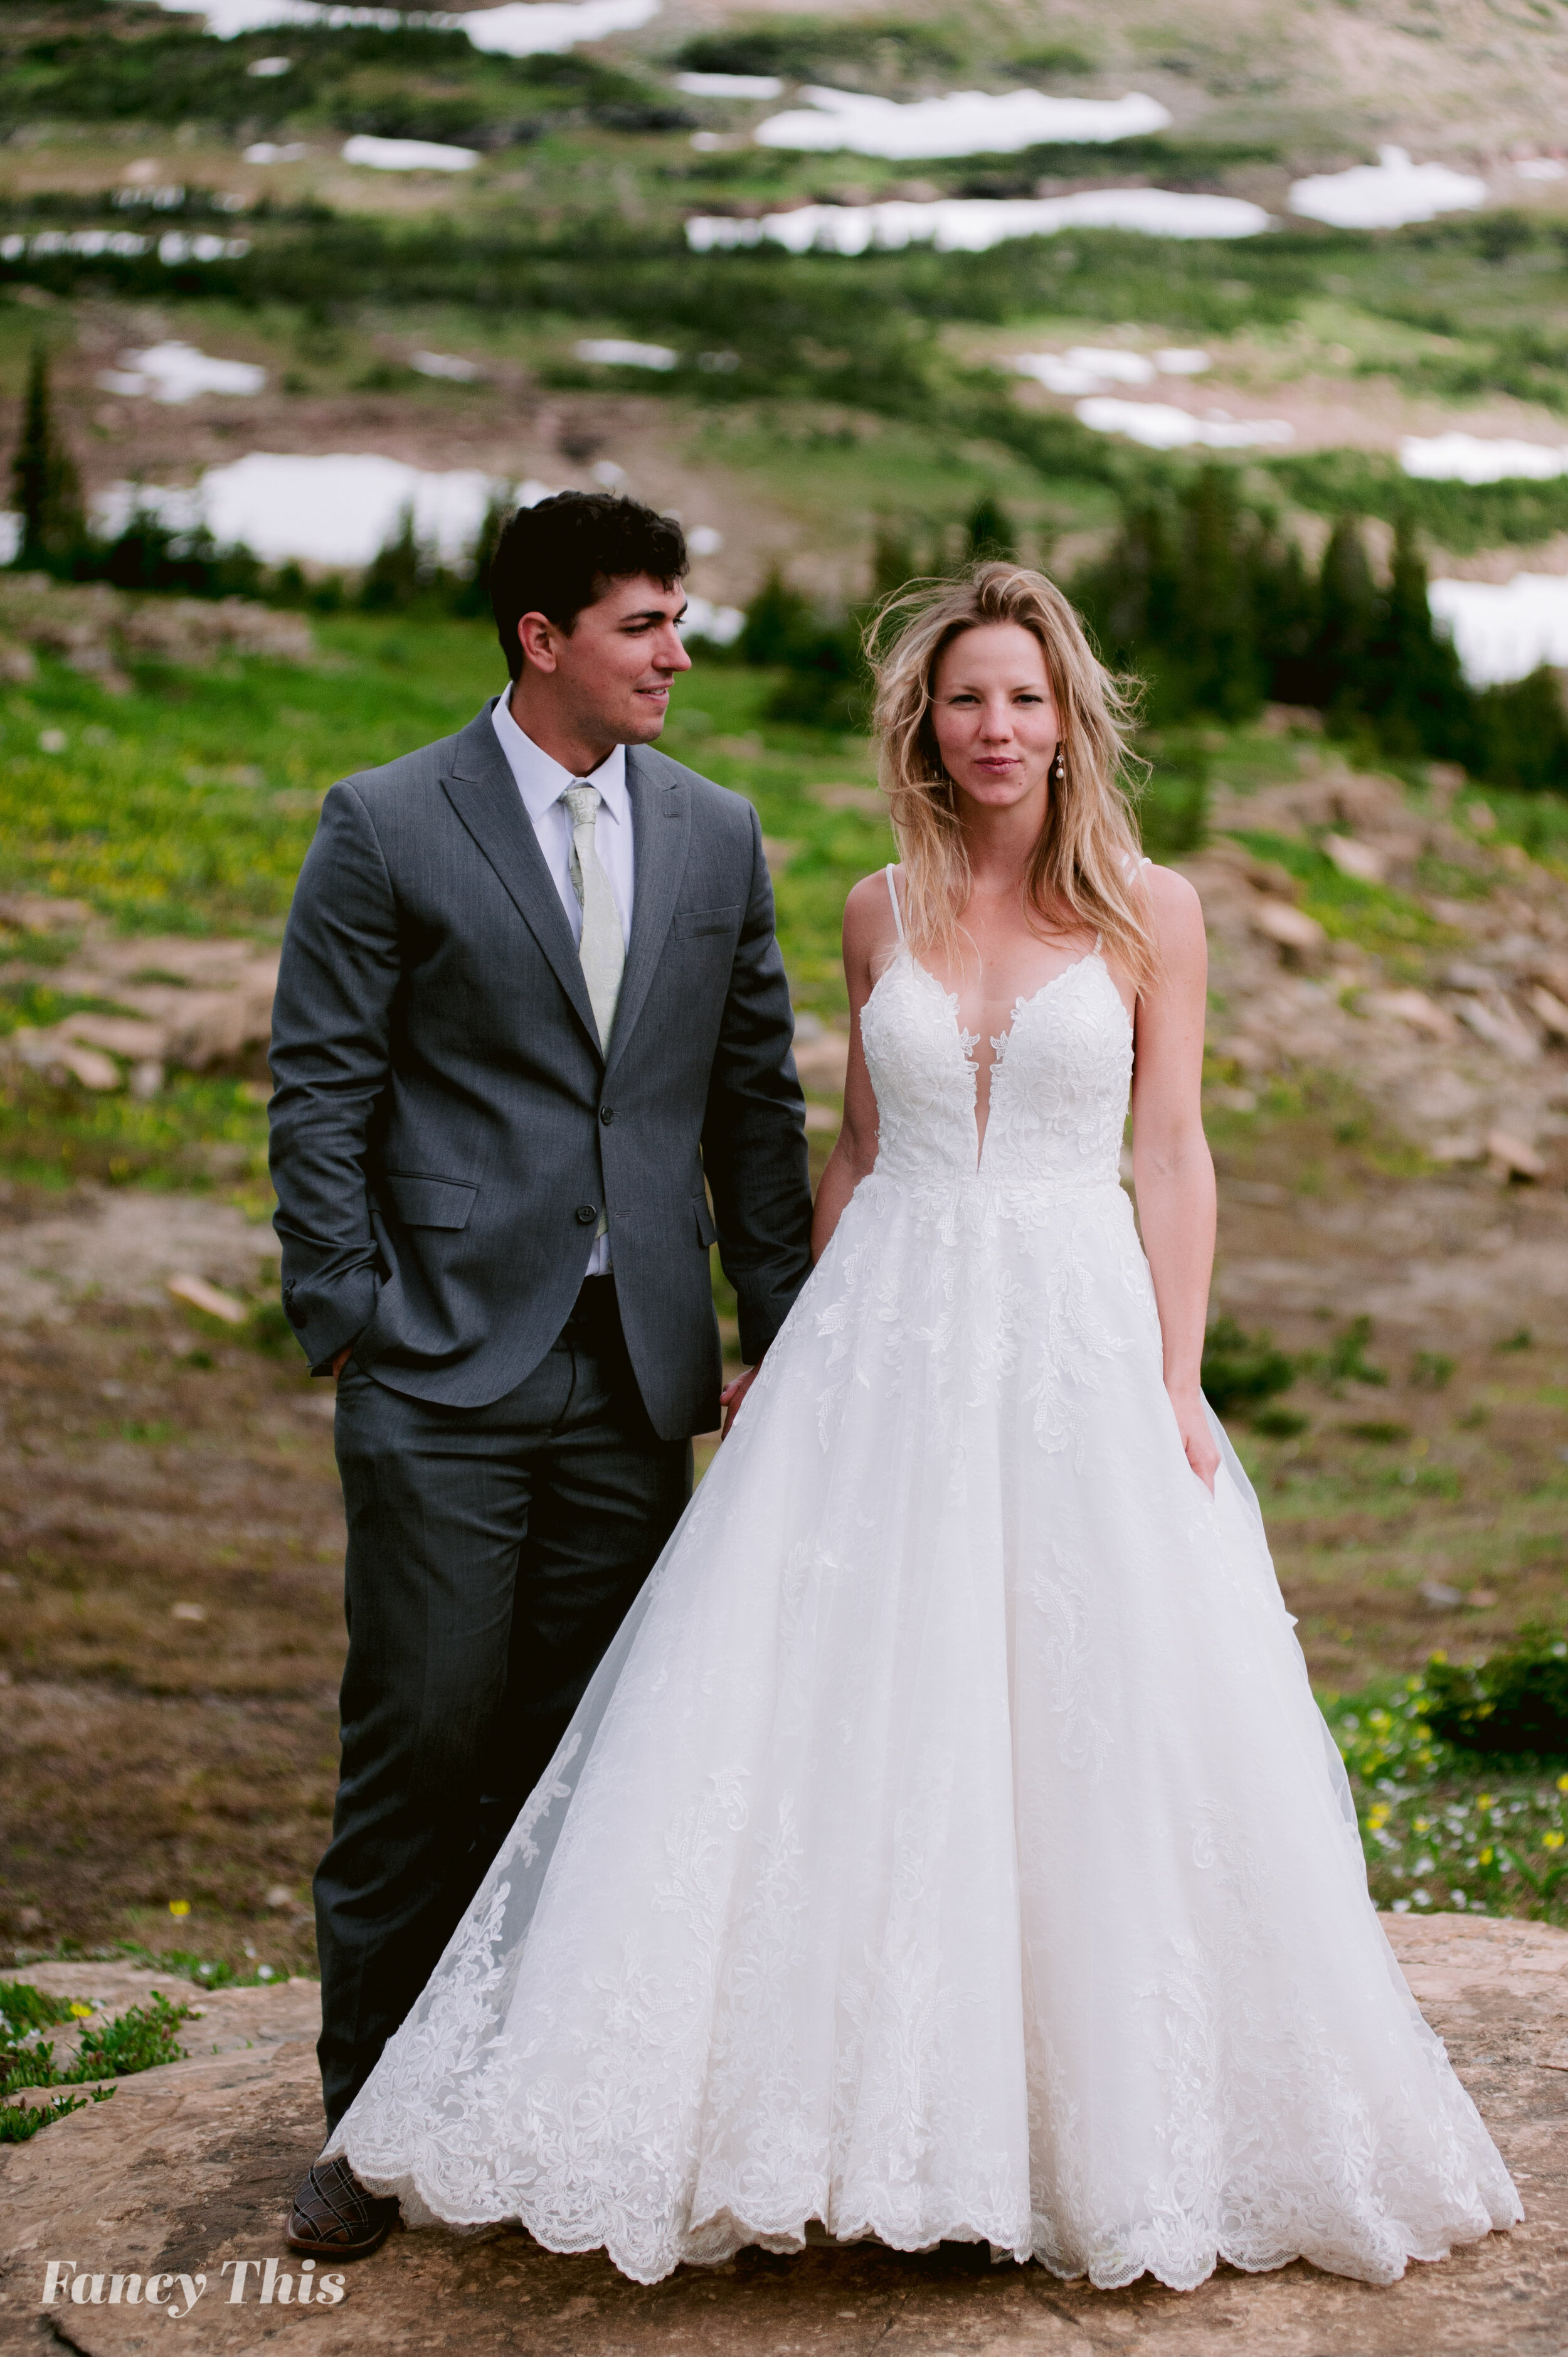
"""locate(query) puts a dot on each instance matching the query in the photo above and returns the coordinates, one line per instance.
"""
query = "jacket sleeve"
(754, 1130)
(331, 1025)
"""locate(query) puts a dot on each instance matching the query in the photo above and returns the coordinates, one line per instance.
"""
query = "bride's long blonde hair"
(1086, 861)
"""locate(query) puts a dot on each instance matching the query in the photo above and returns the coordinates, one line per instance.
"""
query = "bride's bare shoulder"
(868, 911)
(1177, 916)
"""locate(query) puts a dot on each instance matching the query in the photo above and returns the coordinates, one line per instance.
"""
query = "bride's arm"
(869, 937)
(1172, 1170)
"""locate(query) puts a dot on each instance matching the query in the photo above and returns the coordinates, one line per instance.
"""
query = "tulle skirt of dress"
(951, 1846)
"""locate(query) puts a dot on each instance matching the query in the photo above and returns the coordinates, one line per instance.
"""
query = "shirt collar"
(540, 781)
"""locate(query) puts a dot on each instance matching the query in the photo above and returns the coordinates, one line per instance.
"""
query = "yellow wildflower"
(1551, 1841)
(180, 1907)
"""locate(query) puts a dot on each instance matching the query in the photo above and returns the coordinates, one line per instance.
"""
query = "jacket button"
(587, 1215)
(606, 1114)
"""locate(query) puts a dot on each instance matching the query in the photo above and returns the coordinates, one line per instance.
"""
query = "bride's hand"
(1192, 1423)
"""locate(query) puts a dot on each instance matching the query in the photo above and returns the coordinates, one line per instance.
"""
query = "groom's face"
(610, 675)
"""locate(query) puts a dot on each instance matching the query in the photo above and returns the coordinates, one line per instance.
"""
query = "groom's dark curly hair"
(557, 557)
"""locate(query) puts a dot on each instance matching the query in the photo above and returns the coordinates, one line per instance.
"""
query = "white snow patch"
(525, 29)
(408, 155)
(10, 538)
(267, 151)
(1386, 193)
(971, 224)
(703, 541)
(445, 364)
(960, 123)
(269, 68)
(727, 85)
(1161, 427)
(721, 624)
(1503, 631)
(1085, 367)
(176, 373)
(616, 351)
(1470, 458)
(1542, 167)
(330, 510)
(522, 28)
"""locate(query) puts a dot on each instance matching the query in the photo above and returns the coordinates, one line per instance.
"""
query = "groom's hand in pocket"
(732, 1395)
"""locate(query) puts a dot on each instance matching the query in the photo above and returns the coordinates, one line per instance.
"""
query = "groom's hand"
(341, 1361)
(732, 1395)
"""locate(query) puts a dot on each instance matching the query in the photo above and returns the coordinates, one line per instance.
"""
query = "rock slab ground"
(193, 2164)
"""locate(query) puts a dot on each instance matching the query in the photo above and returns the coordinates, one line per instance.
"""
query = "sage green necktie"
(602, 948)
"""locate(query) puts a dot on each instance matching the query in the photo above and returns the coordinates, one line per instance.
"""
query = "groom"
(531, 1015)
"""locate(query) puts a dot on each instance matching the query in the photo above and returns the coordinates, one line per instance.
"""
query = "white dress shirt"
(542, 781)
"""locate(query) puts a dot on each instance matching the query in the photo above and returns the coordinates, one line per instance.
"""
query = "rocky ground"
(191, 2166)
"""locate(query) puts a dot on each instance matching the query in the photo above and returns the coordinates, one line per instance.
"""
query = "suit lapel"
(661, 830)
(483, 791)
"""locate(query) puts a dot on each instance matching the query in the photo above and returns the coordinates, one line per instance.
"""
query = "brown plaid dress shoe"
(335, 2218)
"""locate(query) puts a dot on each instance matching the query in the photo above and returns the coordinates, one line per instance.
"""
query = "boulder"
(1414, 1008)
(1513, 1157)
(1550, 1009)
(1494, 1021)
(1300, 939)
(1363, 861)
(190, 2167)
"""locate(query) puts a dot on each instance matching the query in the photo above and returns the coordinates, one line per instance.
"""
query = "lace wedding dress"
(950, 1846)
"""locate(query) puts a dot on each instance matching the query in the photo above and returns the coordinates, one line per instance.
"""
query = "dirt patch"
(119, 1245)
(170, 1627)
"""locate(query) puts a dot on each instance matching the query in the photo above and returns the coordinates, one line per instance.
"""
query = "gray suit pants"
(493, 1553)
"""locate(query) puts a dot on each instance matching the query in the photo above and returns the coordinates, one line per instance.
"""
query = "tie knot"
(583, 801)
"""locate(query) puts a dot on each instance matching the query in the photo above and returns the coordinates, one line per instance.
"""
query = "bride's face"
(993, 716)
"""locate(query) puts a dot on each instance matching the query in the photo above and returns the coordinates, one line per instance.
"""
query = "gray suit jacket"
(446, 1128)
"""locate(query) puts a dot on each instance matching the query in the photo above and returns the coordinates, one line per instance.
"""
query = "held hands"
(1202, 1454)
(732, 1395)
(341, 1361)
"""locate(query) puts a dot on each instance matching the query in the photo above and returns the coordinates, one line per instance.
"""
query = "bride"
(950, 1846)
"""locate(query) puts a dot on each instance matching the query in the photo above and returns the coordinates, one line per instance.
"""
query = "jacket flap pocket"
(707, 1232)
(421, 1201)
(688, 923)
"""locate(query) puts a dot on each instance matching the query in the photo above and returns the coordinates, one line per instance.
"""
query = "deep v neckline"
(968, 1041)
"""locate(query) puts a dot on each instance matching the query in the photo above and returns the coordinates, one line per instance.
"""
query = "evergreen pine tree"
(892, 561)
(1133, 595)
(1412, 684)
(989, 532)
(778, 623)
(473, 597)
(45, 486)
(1214, 641)
(1347, 622)
(394, 576)
(1284, 615)
(1521, 739)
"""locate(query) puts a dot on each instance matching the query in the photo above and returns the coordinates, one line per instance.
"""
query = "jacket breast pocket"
(690, 924)
(423, 1202)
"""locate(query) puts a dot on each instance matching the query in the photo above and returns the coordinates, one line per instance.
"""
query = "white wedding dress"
(950, 1846)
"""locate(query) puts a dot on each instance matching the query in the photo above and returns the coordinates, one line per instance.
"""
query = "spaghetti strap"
(893, 896)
